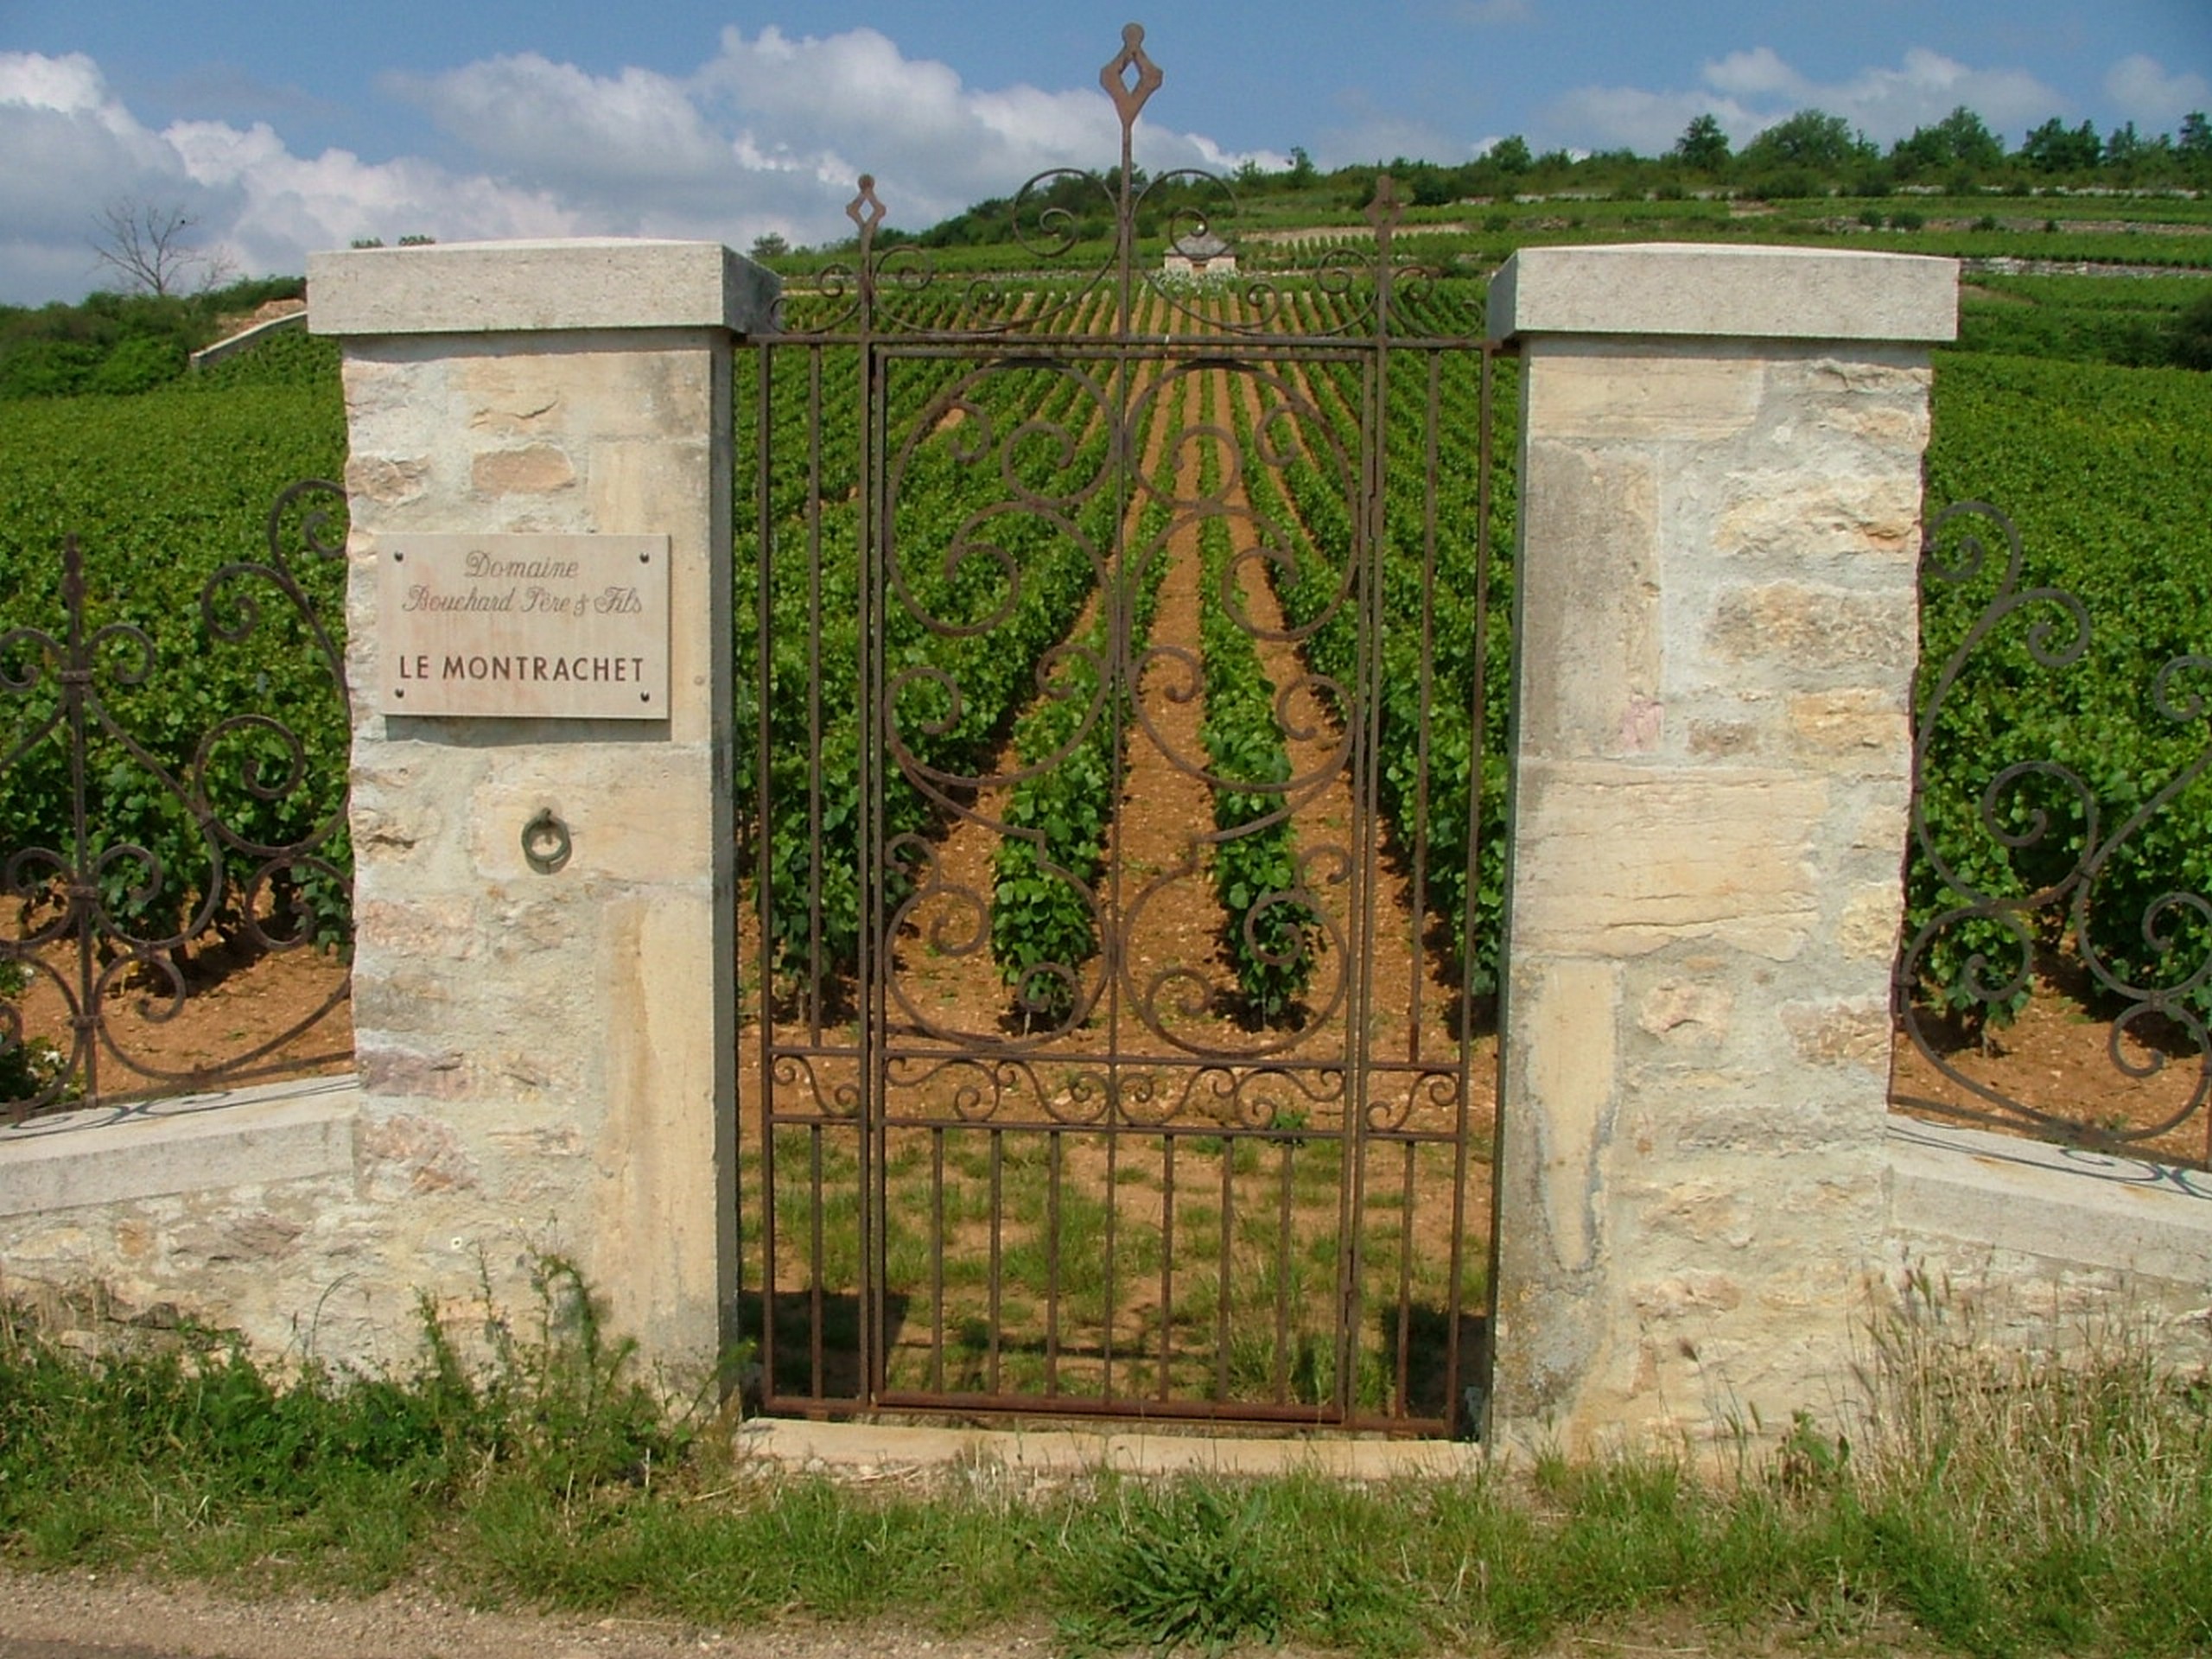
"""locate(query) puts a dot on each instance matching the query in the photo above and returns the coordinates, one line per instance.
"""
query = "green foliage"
(1811, 139)
(2189, 339)
(2054, 148)
(1188, 1564)
(1959, 140)
(1271, 932)
(95, 1452)
(118, 344)
(1985, 1501)
(2097, 466)
(161, 490)
(1068, 752)
(2131, 323)
(1703, 145)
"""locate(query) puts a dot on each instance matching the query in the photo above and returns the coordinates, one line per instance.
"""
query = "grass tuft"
(1984, 1503)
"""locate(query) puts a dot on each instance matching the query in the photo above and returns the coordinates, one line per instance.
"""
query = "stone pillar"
(1720, 489)
(548, 1059)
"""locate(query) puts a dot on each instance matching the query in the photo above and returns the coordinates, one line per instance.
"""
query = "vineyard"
(1122, 710)
(2065, 871)
(1112, 830)
(215, 734)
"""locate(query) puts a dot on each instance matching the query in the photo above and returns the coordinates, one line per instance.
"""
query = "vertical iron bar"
(1286, 1246)
(998, 1237)
(1167, 1262)
(1479, 736)
(817, 969)
(818, 1308)
(76, 686)
(1416, 1000)
(1222, 1283)
(1110, 1301)
(875, 530)
(1371, 549)
(1052, 1262)
(1406, 1288)
(764, 885)
(938, 1243)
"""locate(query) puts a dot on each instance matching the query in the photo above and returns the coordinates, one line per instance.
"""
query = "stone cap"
(1755, 293)
(478, 287)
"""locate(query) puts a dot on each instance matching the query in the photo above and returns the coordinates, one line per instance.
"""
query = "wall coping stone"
(589, 282)
(2061, 1204)
(190, 1143)
(1675, 288)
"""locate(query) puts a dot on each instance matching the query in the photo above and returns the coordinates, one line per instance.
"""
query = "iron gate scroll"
(1113, 807)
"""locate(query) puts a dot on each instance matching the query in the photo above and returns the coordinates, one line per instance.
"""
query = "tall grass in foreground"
(1995, 1505)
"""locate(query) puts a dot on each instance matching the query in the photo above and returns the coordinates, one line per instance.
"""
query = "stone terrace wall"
(1702, 1195)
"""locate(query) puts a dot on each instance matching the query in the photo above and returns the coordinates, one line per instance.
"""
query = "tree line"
(1812, 153)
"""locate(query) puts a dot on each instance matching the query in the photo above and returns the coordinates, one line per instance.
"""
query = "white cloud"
(2146, 93)
(1754, 74)
(624, 141)
(1629, 118)
(74, 146)
(1749, 91)
(769, 134)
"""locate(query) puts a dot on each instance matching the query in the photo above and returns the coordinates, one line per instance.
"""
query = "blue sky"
(287, 128)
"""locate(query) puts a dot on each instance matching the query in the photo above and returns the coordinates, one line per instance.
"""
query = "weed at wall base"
(1984, 1503)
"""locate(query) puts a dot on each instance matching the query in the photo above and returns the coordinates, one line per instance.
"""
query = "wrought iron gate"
(1116, 806)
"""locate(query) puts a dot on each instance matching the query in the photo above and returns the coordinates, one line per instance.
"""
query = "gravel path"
(99, 1615)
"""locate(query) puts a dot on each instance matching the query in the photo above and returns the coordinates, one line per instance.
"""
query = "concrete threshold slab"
(871, 1451)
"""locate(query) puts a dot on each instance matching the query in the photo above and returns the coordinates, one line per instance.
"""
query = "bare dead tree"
(151, 245)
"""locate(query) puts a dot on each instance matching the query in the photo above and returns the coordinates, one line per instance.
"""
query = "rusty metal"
(92, 925)
(1198, 1156)
(2025, 892)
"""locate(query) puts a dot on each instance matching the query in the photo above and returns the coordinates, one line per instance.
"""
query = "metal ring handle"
(545, 843)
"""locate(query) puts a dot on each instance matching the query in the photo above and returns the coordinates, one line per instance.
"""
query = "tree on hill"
(1959, 140)
(1511, 156)
(2190, 341)
(1703, 145)
(2055, 148)
(149, 244)
(1810, 138)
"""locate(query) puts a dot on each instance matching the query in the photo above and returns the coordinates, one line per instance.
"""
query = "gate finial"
(1129, 96)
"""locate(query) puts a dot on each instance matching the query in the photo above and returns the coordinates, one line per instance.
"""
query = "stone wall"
(546, 1059)
(1717, 597)
(1702, 1199)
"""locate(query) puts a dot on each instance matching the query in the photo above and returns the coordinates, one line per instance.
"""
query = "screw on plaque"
(545, 843)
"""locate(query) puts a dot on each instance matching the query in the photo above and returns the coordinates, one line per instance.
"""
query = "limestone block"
(1663, 289)
(1763, 1113)
(424, 926)
(665, 1202)
(640, 814)
(387, 480)
(1867, 929)
(1803, 626)
(1590, 649)
(1687, 1013)
(1617, 860)
(1719, 740)
(1853, 1031)
(1581, 392)
(2047, 1212)
(263, 1137)
(538, 469)
(1822, 517)
(1866, 728)
(473, 287)
(388, 1069)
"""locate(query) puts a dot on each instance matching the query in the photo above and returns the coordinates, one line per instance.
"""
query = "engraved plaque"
(550, 627)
